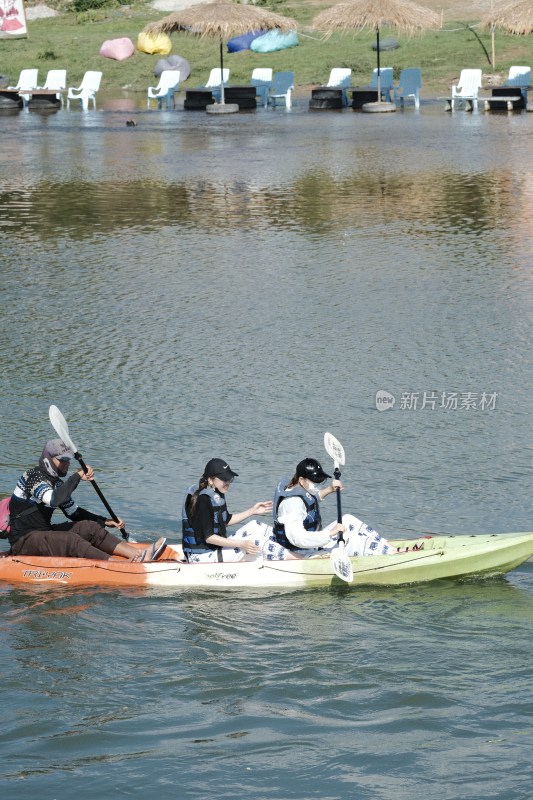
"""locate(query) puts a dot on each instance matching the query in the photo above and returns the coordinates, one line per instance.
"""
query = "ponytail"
(294, 481)
(192, 500)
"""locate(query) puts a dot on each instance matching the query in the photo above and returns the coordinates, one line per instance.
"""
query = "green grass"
(72, 41)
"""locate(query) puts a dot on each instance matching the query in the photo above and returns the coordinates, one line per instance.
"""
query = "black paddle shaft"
(337, 475)
(125, 534)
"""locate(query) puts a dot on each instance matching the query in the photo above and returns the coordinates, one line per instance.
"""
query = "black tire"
(386, 44)
(10, 102)
(325, 103)
(44, 103)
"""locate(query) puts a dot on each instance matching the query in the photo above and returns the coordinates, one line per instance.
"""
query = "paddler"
(205, 519)
(42, 489)
(298, 522)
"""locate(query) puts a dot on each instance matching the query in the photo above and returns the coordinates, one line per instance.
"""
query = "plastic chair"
(56, 81)
(386, 75)
(86, 91)
(28, 80)
(340, 78)
(262, 80)
(520, 77)
(467, 88)
(409, 86)
(281, 88)
(165, 89)
(215, 81)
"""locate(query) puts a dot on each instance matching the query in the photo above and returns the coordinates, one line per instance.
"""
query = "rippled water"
(196, 286)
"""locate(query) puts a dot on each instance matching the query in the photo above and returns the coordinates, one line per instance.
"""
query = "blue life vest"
(193, 541)
(312, 521)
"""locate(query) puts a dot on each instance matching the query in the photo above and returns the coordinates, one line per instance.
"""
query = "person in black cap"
(298, 523)
(205, 518)
(39, 491)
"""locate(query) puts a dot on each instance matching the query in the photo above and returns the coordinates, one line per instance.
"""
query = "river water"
(195, 286)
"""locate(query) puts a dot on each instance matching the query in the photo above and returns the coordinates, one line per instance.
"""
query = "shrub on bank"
(90, 5)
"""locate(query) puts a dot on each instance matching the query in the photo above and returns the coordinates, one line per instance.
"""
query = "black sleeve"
(64, 490)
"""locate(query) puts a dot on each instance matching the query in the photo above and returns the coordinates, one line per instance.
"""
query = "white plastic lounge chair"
(56, 81)
(281, 89)
(166, 88)
(215, 81)
(386, 80)
(28, 80)
(86, 91)
(409, 86)
(521, 77)
(262, 80)
(340, 78)
(467, 89)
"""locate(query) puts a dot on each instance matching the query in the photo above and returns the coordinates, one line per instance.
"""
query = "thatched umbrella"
(514, 16)
(353, 16)
(221, 19)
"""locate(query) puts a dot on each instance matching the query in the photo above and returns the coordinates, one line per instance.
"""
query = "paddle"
(340, 562)
(60, 426)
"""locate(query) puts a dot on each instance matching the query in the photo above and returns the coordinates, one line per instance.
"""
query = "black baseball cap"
(218, 468)
(310, 468)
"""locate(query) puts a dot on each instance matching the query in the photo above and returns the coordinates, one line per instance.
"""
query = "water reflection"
(77, 174)
(315, 202)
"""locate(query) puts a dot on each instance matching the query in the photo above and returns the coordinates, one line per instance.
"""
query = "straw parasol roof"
(515, 16)
(352, 16)
(221, 19)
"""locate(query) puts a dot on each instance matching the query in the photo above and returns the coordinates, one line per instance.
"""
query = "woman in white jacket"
(298, 523)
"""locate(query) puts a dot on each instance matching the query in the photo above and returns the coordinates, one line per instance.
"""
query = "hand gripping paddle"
(60, 426)
(341, 564)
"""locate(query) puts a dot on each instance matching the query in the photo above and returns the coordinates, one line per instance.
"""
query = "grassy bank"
(72, 41)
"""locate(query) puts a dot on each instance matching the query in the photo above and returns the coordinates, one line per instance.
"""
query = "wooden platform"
(505, 98)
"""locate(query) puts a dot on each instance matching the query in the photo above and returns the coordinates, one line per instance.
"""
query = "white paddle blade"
(341, 564)
(334, 449)
(59, 424)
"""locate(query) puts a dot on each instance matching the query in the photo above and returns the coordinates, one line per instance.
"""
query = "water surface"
(197, 286)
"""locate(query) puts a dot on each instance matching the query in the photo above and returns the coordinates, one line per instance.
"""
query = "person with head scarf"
(45, 487)
(205, 518)
(298, 521)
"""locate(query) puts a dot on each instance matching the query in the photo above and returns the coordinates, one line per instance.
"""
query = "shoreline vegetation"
(72, 41)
